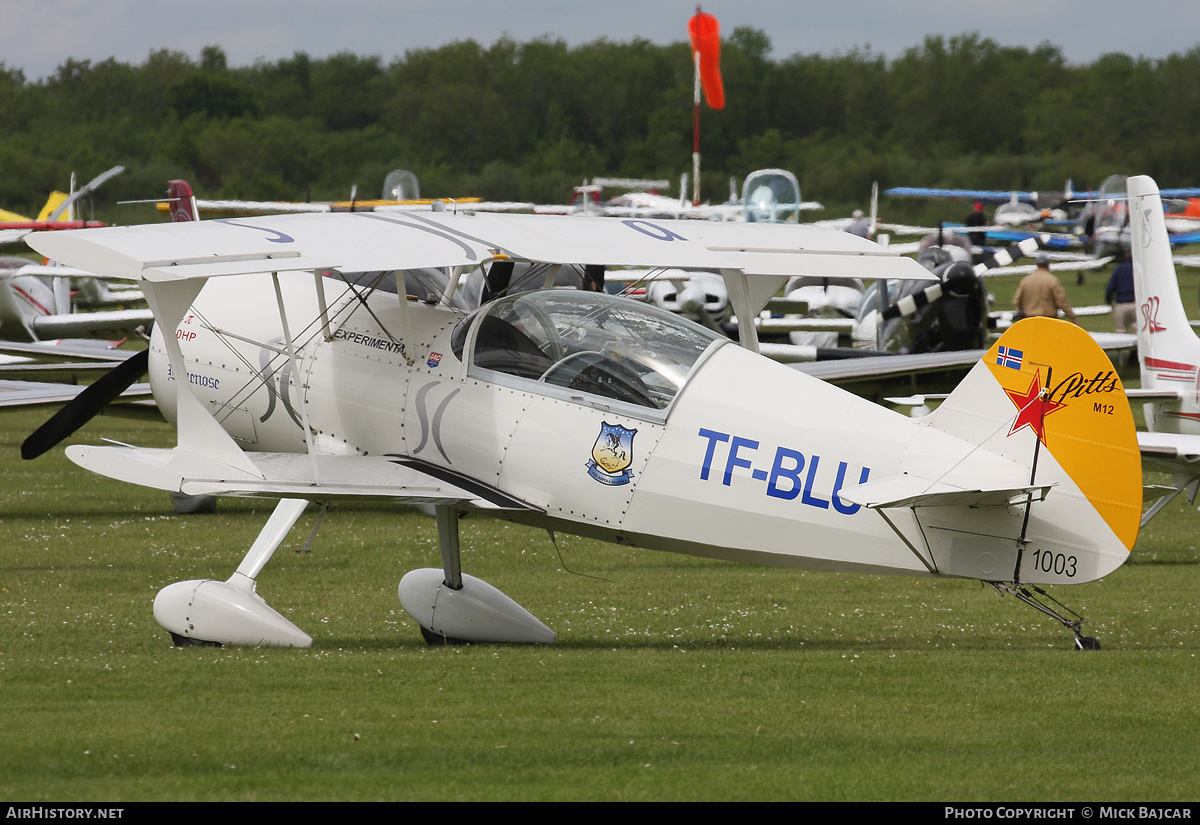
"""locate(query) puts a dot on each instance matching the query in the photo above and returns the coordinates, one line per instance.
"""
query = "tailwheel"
(1039, 599)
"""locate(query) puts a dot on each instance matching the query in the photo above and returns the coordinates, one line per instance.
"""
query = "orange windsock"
(705, 35)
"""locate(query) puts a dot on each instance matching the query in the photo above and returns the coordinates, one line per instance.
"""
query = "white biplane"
(321, 357)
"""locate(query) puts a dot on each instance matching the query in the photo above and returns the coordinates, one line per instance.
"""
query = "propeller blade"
(86, 190)
(1004, 257)
(909, 305)
(874, 207)
(87, 404)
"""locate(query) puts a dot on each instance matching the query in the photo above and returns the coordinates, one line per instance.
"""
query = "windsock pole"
(696, 132)
(705, 36)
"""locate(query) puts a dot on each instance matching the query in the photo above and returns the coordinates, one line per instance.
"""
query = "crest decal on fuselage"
(612, 455)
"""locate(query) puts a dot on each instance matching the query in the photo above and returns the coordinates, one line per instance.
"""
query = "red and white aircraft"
(1168, 349)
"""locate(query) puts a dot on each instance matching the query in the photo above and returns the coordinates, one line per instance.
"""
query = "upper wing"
(990, 195)
(363, 242)
(1049, 240)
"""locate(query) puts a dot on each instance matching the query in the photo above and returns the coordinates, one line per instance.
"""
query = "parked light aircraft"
(36, 303)
(768, 196)
(1098, 218)
(1168, 349)
(14, 227)
(586, 413)
(1015, 209)
(898, 316)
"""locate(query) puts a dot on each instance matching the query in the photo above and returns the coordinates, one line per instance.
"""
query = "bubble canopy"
(600, 345)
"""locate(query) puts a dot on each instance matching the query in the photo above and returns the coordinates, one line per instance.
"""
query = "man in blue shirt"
(1120, 290)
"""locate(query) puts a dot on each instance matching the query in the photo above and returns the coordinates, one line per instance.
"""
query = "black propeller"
(959, 279)
(87, 404)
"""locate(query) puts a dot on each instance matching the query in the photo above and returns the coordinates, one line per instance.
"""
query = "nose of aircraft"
(959, 279)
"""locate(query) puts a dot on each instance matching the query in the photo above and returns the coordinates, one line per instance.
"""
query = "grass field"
(673, 678)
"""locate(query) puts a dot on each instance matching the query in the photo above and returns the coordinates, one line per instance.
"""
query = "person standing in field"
(1041, 293)
(1120, 294)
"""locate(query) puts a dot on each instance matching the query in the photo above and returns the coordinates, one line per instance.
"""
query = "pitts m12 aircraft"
(321, 357)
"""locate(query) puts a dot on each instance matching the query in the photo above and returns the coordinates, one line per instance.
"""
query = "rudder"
(182, 203)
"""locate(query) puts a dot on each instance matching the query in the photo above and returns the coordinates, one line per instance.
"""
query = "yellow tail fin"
(1084, 419)
(1056, 387)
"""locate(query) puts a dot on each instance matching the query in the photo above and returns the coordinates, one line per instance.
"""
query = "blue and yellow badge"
(612, 454)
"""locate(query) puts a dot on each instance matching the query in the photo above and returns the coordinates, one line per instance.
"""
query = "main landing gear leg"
(454, 608)
(1038, 598)
(208, 612)
(447, 524)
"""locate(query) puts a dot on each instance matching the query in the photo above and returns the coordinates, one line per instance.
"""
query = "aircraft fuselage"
(746, 462)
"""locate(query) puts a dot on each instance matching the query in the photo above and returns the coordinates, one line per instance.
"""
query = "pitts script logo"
(1033, 407)
(612, 454)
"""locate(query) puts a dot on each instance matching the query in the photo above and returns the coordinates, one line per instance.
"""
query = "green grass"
(673, 678)
(677, 678)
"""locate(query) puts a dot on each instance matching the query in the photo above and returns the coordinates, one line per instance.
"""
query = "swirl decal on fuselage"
(277, 381)
(423, 416)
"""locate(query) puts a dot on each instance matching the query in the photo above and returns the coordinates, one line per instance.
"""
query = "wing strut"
(929, 562)
(291, 351)
(318, 282)
(748, 297)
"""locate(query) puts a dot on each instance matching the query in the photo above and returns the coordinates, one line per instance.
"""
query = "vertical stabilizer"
(182, 204)
(1168, 348)
(1046, 396)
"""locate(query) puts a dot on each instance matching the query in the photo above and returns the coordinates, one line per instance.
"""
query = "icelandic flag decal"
(1009, 357)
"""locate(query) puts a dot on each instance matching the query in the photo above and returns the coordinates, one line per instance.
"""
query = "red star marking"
(1032, 408)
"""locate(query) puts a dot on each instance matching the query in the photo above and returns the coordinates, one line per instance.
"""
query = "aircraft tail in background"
(1168, 348)
(182, 203)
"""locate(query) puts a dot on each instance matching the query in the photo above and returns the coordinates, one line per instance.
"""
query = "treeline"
(527, 121)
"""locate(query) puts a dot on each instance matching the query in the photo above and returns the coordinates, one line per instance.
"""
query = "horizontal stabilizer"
(1148, 394)
(913, 491)
(1181, 447)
